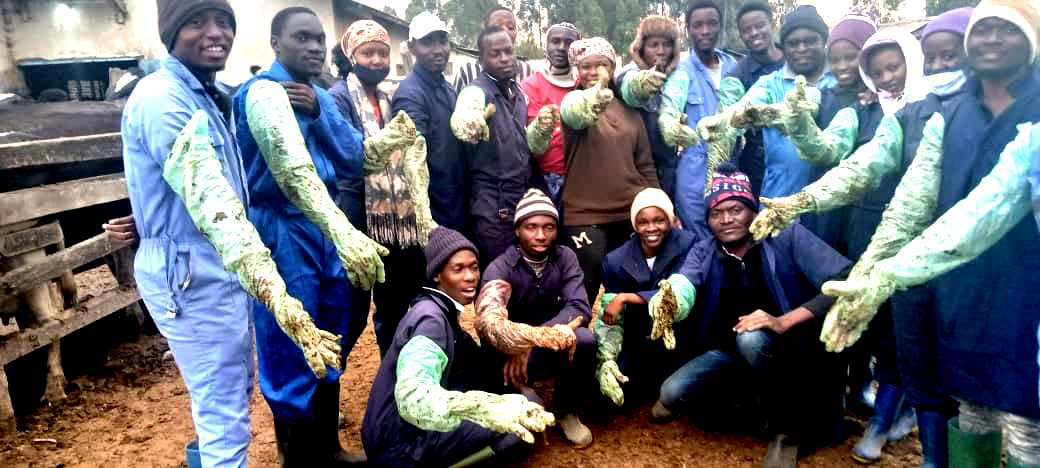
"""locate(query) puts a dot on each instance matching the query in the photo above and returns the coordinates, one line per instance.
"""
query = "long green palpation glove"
(194, 172)
(469, 121)
(541, 129)
(423, 403)
(840, 186)
(911, 210)
(609, 339)
(644, 84)
(398, 135)
(993, 208)
(417, 176)
(581, 108)
(731, 90)
(819, 147)
(676, 132)
(671, 303)
(273, 125)
(494, 327)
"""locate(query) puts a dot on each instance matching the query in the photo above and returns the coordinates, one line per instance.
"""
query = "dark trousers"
(405, 276)
(916, 331)
(591, 244)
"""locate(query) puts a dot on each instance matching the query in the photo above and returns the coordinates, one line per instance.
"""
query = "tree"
(418, 6)
(883, 11)
(466, 18)
(937, 7)
(389, 10)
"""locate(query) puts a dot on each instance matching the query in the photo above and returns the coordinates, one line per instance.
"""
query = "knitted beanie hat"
(804, 16)
(954, 21)
(582, 49)
(853, 28)
(174, 14)
(654, 197)
(534, 203)
(1021, 13)
(443, 244)
(729, 183)
(660, 26)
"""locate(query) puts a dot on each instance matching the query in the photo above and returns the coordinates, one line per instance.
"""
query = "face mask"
(370, 76)
(946, 83)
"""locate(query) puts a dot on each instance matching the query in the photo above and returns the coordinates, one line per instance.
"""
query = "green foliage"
(529, 49)
(466, 18)
(937, 7)
(418, 6)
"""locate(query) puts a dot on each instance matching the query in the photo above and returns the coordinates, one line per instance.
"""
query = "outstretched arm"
(469, 121)
(494, 327)
(581, 108)
(194, 172)
(425, 404)
(273, 125)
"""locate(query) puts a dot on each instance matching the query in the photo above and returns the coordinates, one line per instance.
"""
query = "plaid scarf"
(389, 210)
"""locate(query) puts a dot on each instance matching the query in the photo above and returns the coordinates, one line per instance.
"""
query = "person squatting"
(779, 234)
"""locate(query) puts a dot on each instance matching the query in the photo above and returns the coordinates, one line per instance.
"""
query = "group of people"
(741, 222)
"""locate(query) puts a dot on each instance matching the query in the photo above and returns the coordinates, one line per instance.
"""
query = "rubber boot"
(904, 425)
(970, 450)
(931, 428)
(1016, 463)
(782, 453)
(326, 424)
(483, 454)
(887, 405)
(294, 441)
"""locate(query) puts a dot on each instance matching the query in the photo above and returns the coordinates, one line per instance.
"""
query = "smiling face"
(505, 20)
(886, 67)
(844, 59)
(997, 48)
(943, 52)
(657, 49)
(205, 40)
(703, 27)
(459, 276)
(730, 221)
(652, 226)
(374, 55)
(497, 57)
(557, 43)
(587, 75)
(300, 46)
(432, 51)
(803, 49)
(756, 30)
(537, 236)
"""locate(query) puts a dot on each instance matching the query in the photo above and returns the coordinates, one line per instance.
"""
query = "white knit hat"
(652, 197)
(534, 203)
(1021, 13)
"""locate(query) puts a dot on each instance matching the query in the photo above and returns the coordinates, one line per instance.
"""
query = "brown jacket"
(607, 165)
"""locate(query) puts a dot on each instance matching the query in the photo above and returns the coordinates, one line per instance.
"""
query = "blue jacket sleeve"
(343, 143)
(159, 120)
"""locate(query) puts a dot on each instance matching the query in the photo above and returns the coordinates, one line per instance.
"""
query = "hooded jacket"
(915, 87)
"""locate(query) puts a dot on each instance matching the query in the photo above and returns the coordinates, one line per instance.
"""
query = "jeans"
(715, 368)
(555, 184)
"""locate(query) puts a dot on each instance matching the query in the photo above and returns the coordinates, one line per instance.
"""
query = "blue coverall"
(198, 306)
(307, 261)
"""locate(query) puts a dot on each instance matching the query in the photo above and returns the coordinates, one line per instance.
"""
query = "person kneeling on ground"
(426, 407)
(750, 324)
(630, 277)
(530, 308)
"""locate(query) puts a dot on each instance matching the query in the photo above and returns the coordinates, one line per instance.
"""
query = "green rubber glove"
(194, 172)
(647, 83)
(469, 121)
(511, 414)
(671, 303)
(778, 213)
(541, 129)
(417, 176)
(273, 125)
(398, 135)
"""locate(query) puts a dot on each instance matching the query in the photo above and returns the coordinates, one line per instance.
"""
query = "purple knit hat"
(955, 21)
(853, 28)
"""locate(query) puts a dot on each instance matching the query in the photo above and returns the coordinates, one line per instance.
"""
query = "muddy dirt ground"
(129, 407)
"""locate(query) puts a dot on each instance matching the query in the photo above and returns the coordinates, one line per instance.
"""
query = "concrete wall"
(99, 35)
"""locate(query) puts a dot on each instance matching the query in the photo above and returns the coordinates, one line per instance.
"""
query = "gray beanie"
(443, 244)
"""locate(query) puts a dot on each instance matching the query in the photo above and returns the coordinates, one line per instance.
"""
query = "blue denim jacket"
(786, 173)
(176, 268)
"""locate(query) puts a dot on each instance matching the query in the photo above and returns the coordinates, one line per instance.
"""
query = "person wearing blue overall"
(304, 406)
(199, 308)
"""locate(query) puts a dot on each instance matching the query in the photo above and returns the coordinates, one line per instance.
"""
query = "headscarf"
(660, 26)
(1021, 13)
(915, 87)
(585, 48)
(362, 32)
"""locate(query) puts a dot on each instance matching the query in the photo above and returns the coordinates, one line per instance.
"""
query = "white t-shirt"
(650, 262)
(716, 74)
